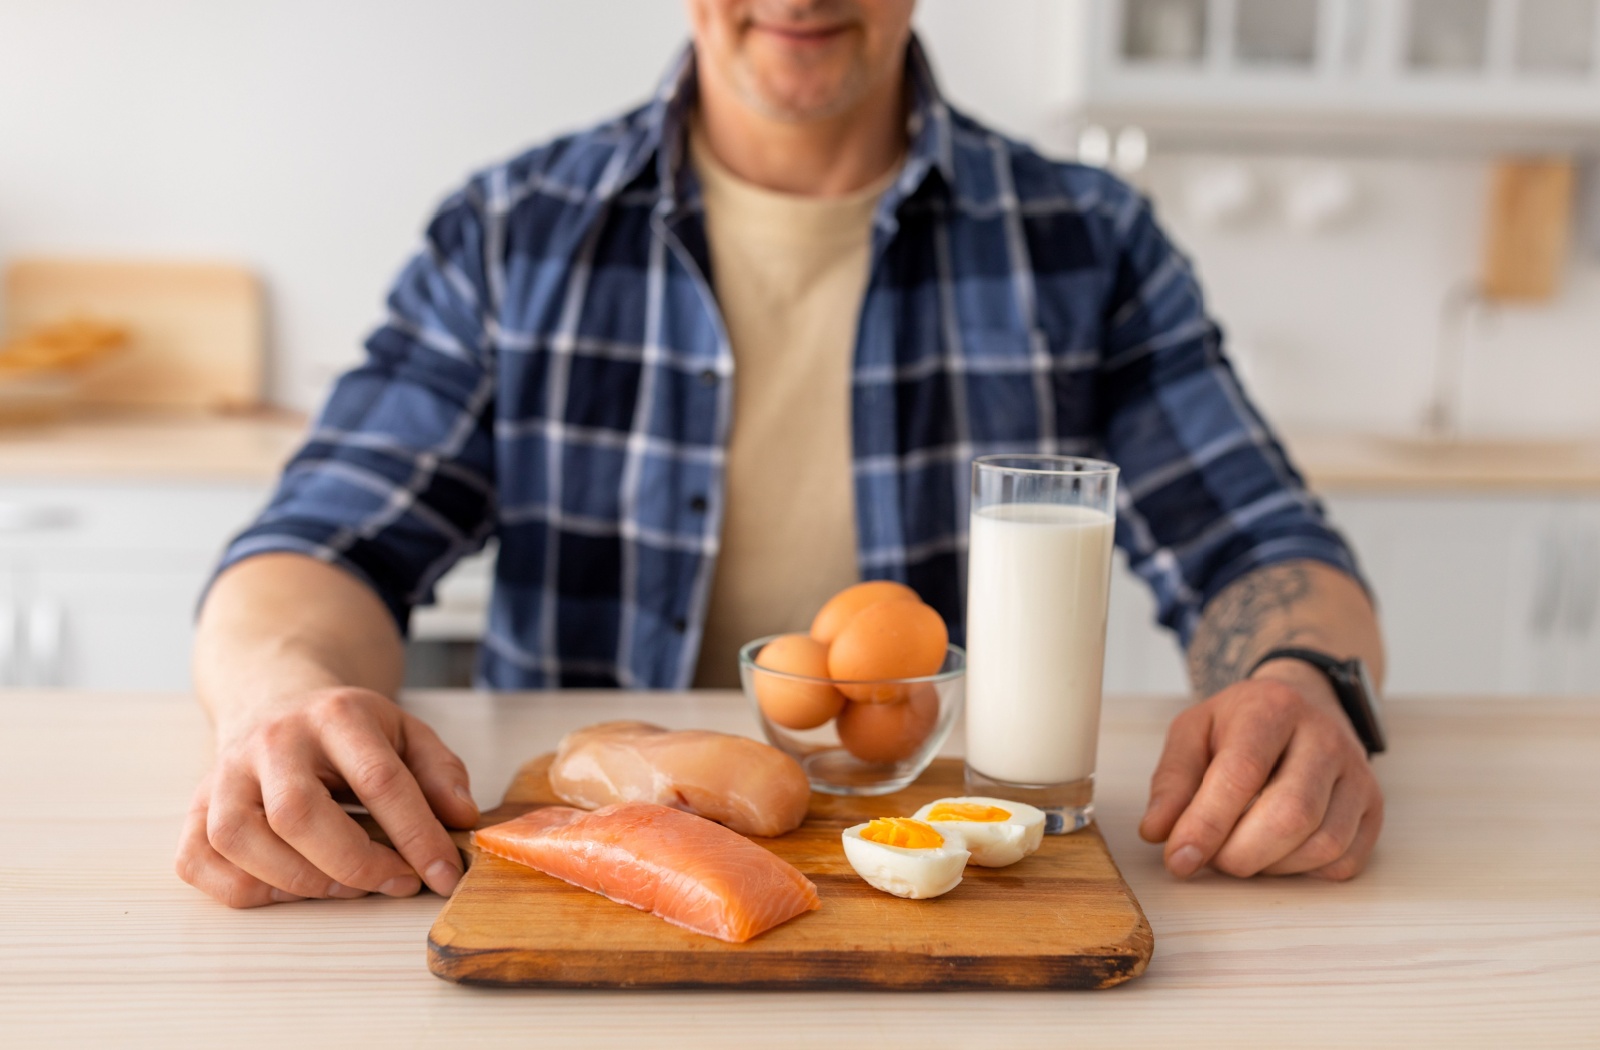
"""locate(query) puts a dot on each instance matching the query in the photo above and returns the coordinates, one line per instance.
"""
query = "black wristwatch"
(1350, 684)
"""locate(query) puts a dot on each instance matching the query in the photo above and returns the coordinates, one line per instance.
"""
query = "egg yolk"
(903, 832)
(968, 811)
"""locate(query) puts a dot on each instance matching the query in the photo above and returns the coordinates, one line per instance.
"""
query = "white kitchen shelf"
(1518, 75)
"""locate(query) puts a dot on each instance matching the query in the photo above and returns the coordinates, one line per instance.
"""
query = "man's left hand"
(1267, 777)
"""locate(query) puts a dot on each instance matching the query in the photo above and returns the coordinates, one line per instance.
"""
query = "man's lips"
(802, 34)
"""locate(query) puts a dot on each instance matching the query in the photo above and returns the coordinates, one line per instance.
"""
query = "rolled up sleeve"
(1207, 492)
(394, 482)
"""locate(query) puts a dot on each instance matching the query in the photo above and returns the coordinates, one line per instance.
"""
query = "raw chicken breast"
(753, 788)
(687, 870)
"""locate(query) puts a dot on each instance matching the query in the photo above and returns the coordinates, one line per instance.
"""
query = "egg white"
(913, 873)
(993, 844)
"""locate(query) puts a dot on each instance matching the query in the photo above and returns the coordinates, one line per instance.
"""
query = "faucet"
(1441, 420)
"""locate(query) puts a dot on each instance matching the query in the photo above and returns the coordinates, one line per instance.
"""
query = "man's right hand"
(265, 827)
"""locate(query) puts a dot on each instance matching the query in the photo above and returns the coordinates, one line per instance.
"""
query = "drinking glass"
(1038, 579)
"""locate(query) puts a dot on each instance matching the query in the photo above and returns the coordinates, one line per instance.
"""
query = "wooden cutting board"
(1062, 918)
(197, 330)
(1530, 224)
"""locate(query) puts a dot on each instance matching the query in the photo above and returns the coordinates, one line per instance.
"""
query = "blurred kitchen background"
(1393, 206)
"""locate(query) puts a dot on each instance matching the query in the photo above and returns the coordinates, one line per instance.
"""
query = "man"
(701, 366)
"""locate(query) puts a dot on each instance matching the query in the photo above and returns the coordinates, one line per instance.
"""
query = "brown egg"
(892, 639)
(889, 732)
(843, 607)
(790, 703)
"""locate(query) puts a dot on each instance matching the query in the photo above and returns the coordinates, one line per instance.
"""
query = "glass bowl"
(883, 749)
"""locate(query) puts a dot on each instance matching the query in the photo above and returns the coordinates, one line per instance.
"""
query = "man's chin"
(798, 100)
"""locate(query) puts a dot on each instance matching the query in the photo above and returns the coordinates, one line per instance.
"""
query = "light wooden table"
(1478, 922)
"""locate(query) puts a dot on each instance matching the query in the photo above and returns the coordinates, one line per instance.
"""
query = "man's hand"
(264, 826)
(1266, 777)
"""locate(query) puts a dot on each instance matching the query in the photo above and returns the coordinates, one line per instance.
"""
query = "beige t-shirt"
(789, 274)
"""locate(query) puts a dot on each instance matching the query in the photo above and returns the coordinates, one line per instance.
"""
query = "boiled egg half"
(996, 831)
(905, 857)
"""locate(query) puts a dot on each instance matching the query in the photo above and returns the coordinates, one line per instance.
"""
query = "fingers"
(206, 870)
(300, 811)
(1291, 810)
(264, 825)
(441, 775)
(1183, 763)
(237, 828)
(1355, 858)
(1332, 838)
(368, 762)
(1246, 749)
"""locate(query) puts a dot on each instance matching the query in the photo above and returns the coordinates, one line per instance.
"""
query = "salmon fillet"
(684, 868)
(752, 787)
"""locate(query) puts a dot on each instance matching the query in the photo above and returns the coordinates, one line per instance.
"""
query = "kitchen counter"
(1338, 462)
(1478, 922)
(199, 447)
(146, 446)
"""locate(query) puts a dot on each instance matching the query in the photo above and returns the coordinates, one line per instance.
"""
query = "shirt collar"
(664, 126)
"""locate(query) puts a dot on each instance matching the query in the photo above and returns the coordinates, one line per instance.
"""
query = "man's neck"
(818, 158)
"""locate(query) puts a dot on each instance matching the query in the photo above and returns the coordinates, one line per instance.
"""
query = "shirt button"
(698, 504)
(708, 378)
(680, 625)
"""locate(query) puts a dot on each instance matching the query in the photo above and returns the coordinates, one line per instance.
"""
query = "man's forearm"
(279, 626)
(1300, 603)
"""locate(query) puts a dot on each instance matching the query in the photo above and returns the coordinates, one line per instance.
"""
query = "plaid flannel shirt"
(553, 372)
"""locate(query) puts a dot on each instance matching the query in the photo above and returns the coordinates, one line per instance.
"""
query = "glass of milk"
(1038, 579)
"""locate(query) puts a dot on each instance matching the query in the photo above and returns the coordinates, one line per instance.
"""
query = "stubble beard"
(776, 104)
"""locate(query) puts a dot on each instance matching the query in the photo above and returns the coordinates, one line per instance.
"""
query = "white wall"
(308, 138)
(311, 138)
(1340, 328)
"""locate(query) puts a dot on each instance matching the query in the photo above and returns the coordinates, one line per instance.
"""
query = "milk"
(1037, 585)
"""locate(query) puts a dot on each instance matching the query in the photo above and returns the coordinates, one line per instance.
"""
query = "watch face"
(1358, 671)
(1368, 700)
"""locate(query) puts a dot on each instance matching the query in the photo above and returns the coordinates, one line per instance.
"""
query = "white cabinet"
(1443, 570)
(1521, 72)
(1580, 604)
(111, 626)
(1554, 618)
(1477, 595)
(1141, 657)
(98, 582)
(1483, 595)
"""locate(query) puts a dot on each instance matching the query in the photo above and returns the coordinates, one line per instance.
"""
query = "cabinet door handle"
(8, 645)
(1583, 594)
(44, 630)
(1547, 588)
(1352, 35)
(24, 517)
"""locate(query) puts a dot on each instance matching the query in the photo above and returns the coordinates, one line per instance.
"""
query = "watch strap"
(1350, 686)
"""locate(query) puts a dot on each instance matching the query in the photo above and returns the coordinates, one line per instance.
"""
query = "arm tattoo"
(1253, 614)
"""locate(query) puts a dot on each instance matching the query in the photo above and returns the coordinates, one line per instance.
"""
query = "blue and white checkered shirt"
(554, 372)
